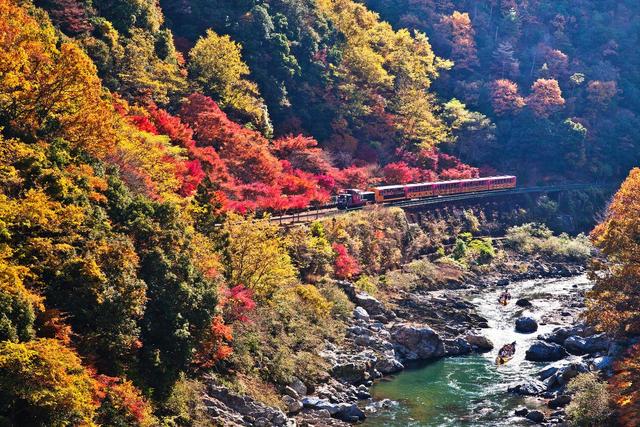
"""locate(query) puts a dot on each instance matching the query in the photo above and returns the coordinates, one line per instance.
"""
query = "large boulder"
(298, 386)
(479, 342)
(559, 401)
(349, 412)
(535, 416)
(542, 351)
(416, 342)
(457, 347)
(523, 302)
(531, 388)
(369, 303)
(560, 334)
(360, 313)
(589, 345)
(351, 371)
(526, 325)
(314, 402)
(388, 365)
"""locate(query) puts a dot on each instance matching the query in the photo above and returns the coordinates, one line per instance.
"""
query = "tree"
(345, 265)
(400, 173)
(44, 383)
(258, 256)
(601, 93)
(17, 304)
(612, 303)
(505, 97)
(504, 63)
(49, 88)
(105, 299)
(545, 98)
(216, 65)
(122, 404)
(463, 45)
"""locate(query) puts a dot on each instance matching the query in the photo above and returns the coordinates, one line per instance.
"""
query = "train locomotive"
(355, 198)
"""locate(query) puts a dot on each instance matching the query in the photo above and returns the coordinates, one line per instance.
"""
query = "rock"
(521, 412)
(369, 303)
(559, 401)
(417, 342)
(298, 386)
(291, 392)
(523, 302)
(589, 345)
(293, 405)
(531, 388)
(547, 373)
(542, 351)
(351, 371)
(480, 342)
(360, 313)
(363, 392)
(603, 363)
(457, 347)
(388, 365)
(318, 403)
(350, 413)
(253, 413)
(559, 335)
(526, 325)
(502, 282)
(535, 416)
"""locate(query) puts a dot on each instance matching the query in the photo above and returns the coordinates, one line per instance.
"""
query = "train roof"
(389, 187)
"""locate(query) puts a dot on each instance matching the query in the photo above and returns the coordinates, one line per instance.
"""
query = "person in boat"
(505, 296)
(507, 350)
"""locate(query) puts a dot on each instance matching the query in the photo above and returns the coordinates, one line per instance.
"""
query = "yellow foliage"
(258, 255)
(380, 63)
(215, 63)
(47, 380)
(313, 299)
(44, 87)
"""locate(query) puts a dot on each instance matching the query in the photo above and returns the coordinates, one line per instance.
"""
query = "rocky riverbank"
(416, 326)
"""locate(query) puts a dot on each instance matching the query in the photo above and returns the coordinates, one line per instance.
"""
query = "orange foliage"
(545, 98)
(215, 346)
(463, 45)
(625, 388)
(505, 97)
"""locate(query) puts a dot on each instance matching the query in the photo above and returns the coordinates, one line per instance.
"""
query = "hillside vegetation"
(142, 143)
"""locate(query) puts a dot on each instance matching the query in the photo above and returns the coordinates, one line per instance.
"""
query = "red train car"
(389, 193)
(392, 193)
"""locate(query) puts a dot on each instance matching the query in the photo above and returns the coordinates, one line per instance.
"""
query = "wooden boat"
(501, 360)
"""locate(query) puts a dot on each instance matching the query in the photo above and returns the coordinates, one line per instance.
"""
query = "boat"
(501, 360)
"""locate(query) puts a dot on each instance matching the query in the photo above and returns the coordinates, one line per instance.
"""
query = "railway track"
(328, 211)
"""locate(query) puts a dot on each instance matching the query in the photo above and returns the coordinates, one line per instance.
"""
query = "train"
(355, 198)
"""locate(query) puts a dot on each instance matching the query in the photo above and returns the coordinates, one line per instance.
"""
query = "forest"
(143, 143)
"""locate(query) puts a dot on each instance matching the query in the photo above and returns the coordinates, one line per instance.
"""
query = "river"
(472, 390)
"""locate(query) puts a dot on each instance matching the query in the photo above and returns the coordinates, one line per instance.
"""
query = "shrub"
(367, 284)
(538, 239)
(184, 405)
(590, 403)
